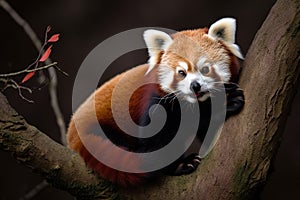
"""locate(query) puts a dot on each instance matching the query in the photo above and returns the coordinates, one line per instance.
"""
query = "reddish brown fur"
(199, 44)
(191, 45)
(234, 68)
(96, 142)
(103, 97)
(79, 135)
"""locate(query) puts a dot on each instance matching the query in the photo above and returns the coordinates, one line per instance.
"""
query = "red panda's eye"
(204, 70)
(182, 73)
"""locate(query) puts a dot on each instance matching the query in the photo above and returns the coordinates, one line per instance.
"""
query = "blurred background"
(85, 24)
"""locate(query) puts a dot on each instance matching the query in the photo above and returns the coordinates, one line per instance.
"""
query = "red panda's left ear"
(156, 41)
(224, 30)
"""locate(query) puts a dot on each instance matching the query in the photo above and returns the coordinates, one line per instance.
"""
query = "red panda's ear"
(156, 41)
(224, 30)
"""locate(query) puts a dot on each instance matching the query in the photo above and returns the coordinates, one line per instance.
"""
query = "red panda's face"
(191, 64)
(191, 67)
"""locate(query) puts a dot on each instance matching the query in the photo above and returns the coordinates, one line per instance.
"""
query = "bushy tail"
(103, 147)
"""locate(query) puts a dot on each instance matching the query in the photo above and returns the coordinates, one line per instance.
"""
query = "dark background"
(85, 24)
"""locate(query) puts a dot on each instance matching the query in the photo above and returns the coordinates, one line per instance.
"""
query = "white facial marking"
(201, 62)
(178, 69)
(185, 85)
(184, 65)
(166, 76)
(207, 82)
(191, 99)
(222, 69)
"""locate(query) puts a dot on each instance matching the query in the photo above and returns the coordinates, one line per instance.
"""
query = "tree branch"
(60, 166)
(13, 84)
(37, 189)
(53, 82)
(237, 167)
(29, 70)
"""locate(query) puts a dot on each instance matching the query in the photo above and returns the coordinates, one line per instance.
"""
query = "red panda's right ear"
(156, 41)
(224, 30)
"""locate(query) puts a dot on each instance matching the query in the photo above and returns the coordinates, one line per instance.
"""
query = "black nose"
(195, 87)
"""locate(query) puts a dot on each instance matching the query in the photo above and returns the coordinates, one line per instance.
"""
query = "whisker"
(172, 96)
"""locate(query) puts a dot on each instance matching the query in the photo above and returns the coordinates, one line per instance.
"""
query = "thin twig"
(15, 85)
(52, 86)
(53, 82)
(61, 71)
(38, 188)
(28, 70)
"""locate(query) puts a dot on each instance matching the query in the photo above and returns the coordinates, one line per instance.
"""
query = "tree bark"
(61, 167)
(237, 168)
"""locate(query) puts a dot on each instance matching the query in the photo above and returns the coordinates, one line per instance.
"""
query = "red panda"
(187, 65)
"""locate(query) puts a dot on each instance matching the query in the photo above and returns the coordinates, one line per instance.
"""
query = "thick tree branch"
(237, 167)
(60, 166)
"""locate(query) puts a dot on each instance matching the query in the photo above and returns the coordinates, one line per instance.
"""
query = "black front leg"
(235, 99)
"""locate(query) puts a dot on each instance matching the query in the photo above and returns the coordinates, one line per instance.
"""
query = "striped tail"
(103, 147)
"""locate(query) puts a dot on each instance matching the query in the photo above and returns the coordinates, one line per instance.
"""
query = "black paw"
(188, 165)
(235, 99)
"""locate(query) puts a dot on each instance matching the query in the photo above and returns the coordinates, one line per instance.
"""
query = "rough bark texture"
(60, 166)
(238, 166)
